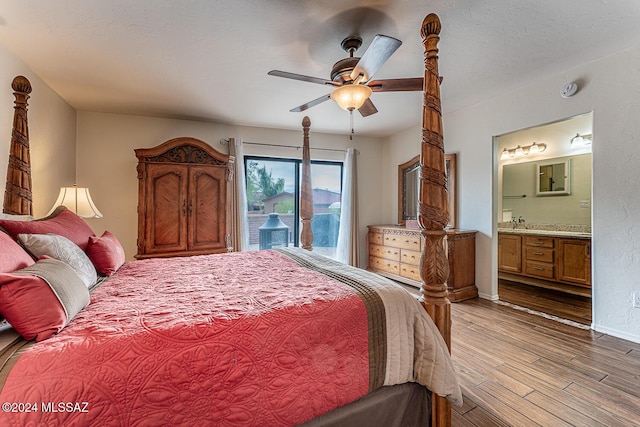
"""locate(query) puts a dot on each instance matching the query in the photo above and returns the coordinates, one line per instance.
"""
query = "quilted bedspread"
(264, 338)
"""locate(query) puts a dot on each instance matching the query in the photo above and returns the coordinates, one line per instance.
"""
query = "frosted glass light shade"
(351, 97)
(78, 200)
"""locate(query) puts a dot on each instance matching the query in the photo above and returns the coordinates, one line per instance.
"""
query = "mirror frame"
(567, 178)
(450, 171)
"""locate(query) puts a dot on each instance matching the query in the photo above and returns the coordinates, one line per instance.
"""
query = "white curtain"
(347, 250)
(239, 220)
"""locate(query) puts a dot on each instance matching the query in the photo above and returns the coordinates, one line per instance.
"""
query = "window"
(273, 187)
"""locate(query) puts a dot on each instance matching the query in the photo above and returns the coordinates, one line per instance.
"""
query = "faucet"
(515, 221)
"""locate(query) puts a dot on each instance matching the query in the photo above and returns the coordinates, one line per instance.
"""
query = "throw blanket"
(231, 339)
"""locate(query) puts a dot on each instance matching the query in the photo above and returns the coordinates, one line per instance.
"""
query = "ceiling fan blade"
(311, 103)
(396, 85)
(367, 108)
(301, 77)
(380, 49)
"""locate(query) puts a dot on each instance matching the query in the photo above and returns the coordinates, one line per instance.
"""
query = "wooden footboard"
(433, 205)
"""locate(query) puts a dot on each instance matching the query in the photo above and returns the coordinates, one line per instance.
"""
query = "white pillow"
(62, 249)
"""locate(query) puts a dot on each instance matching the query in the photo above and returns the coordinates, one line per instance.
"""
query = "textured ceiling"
(208, 59)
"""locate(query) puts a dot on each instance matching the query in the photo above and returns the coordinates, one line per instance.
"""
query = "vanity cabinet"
(539, 256)
(394, 252)
(510, 253)
(560, 263)
(574, 261)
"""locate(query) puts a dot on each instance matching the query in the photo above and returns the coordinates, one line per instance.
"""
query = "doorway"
(544, 234)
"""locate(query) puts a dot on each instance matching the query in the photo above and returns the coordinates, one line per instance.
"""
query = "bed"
(224, 339)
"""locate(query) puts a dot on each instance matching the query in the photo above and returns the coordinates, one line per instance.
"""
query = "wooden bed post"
(433, 204)
(17, 195)
(306, 193)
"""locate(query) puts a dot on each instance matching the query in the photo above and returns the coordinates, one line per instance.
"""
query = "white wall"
(609, 87)
(107, 163)
(52, 128)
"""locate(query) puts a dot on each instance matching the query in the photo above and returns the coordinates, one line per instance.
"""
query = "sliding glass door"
(273, 194)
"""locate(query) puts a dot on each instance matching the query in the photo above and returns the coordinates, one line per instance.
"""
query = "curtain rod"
(297, 147)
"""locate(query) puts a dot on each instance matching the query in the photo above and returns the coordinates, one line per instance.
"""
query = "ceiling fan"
(351, 77)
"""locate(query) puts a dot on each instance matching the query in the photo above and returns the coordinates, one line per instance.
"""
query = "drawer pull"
(538, 253)
(539, 242)
(539, 268)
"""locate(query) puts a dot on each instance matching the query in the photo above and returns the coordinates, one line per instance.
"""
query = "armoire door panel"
(167, 193)
(207, 213)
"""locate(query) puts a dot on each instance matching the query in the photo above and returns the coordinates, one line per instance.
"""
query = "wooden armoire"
(184, 191)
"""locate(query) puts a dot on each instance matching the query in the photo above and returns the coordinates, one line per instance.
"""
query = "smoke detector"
(569, 90)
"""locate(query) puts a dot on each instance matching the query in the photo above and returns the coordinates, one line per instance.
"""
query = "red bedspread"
(200, 341)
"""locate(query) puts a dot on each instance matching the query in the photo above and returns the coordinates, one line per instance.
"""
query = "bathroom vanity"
(559, 260)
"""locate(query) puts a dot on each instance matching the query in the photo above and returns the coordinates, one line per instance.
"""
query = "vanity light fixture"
(523, 150)
(581, 140)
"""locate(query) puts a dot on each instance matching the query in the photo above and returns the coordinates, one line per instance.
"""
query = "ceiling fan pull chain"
(351, 123)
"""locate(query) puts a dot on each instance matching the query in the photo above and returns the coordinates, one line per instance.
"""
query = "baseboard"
(488, 296)
(618, 334)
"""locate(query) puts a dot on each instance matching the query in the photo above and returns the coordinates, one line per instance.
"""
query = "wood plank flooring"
(566, 306)
(519, 369)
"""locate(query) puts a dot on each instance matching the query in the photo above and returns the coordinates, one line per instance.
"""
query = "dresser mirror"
(409, 188)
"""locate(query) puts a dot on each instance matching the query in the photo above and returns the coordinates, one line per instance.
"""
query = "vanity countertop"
(551, 233)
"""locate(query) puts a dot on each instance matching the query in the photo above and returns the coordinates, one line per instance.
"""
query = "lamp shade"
(77, 200)
(351, 97)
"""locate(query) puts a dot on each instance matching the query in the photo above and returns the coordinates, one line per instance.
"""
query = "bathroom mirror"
(409, 188)
(553, 178)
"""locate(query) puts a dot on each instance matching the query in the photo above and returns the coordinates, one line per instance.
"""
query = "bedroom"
(77, 141)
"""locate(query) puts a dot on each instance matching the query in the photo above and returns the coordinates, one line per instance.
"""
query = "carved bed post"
(306, 193)
(433, 212)
(17, 195)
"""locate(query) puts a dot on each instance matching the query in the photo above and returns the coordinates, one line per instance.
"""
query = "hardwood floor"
(566, 306)
(519, 369)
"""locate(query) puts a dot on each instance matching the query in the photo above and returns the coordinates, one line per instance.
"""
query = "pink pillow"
(12, 256)
(62, 222)
(30, 305)
(106, 253)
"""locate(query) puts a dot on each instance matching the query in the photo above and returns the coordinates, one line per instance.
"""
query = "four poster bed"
(223, 339)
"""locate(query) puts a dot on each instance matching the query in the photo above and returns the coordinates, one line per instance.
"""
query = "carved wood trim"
(183, 150)
(17, 195)
(433, 203)
(306, 192)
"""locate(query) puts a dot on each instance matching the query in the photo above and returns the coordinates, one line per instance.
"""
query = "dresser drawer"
(539, 254)
(403, 242)
(389, 266)
(384, 252)
(410, 271)
(543, 242)
(410, 257)
(375, 238)
(539, 269)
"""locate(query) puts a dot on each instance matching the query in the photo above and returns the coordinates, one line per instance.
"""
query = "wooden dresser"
(183, 199)
(394, 252)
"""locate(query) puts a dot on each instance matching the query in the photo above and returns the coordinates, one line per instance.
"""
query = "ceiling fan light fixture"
(351, 97)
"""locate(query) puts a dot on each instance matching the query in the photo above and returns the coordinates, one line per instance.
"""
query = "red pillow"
(62, 222)
(106, 253)
(12, 256)
(30, 305)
